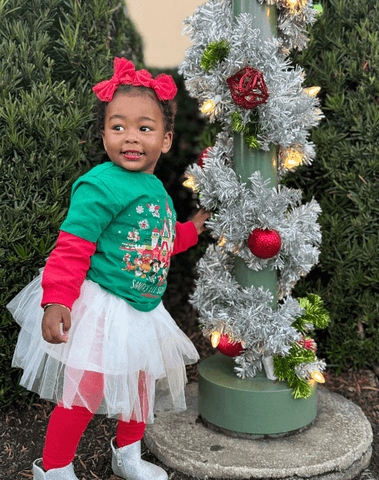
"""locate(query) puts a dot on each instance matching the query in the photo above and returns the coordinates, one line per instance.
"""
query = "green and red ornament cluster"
(301, 362)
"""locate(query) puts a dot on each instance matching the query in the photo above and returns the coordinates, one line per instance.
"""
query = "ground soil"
(23, 427)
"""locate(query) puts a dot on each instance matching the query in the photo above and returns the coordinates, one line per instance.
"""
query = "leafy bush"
(343, 59)
(52, 52)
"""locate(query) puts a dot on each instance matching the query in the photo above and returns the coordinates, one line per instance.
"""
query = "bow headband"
(125, 73)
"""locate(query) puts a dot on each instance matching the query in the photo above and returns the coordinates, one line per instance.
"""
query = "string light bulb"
(209, 105)
(294, 4)
(293, 159)
(317, 376)
(190, 183)
(312, 91)
(215, 339)
(222, 242)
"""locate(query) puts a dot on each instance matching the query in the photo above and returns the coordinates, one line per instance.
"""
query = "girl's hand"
(199, 219)
(55, 315)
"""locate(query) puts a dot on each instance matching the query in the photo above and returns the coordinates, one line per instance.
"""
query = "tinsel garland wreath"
(223, 48)
(289, 112)
(238, 210)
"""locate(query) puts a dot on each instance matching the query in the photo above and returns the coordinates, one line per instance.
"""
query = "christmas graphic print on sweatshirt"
(131, 218)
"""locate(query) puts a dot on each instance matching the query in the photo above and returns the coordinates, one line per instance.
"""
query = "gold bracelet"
(58, 304)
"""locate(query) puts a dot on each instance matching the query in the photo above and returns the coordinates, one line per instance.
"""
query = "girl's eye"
(118, 128)
(145, 129)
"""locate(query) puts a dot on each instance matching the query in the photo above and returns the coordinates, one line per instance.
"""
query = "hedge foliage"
(51, 53)
(343, 59)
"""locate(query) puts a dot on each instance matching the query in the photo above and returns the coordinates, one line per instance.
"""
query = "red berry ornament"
(228, 348)
(264, 243)
(308, 344)
(203, 155)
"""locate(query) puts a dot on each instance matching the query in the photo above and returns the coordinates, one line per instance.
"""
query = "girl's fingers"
(54, 316)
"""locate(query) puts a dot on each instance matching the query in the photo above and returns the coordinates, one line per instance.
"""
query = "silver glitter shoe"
(64, 473)
(127, 463)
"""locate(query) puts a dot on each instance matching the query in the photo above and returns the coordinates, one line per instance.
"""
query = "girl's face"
(134, 135)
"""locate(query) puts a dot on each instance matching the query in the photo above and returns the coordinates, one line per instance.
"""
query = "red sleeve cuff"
(186, 237)
(59, 294)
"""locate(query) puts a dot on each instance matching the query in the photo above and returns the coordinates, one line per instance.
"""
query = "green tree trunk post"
(247, 161)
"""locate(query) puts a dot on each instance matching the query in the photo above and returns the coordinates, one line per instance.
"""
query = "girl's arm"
(92, 208)
(187, 233)
(64, 273)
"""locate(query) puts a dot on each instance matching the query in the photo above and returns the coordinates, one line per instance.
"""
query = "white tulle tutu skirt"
(118, 361)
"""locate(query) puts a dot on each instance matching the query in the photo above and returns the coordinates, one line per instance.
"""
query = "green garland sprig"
(250, 130)
(284, 367)
(214, 53)
(315, 314)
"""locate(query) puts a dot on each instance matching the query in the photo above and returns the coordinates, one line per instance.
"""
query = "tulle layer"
(118, 361)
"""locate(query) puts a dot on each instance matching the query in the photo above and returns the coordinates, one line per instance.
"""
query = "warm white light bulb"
(312, 91)
(293, 159)
(293, 4)
(215, 339)
(317, 376)
(208, 107)
(190, 183)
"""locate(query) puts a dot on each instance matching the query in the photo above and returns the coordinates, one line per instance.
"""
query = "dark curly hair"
(168, 107)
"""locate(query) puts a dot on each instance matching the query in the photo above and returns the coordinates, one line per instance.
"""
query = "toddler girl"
(108, 345)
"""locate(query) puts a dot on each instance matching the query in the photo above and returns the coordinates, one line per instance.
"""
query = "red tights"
(66, 427)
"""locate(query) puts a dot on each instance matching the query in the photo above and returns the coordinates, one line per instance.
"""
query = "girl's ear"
(167, 142)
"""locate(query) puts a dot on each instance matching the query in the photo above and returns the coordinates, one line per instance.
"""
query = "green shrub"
(343, 59)
(51, 53)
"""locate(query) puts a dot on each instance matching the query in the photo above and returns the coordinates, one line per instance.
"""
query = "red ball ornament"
(203, 154)
(264, 243)
(248, 88)
(228, 348)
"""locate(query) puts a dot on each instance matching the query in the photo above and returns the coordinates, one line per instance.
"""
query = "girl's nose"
(131, 136)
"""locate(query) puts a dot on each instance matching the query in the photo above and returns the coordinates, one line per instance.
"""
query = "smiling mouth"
(132, 154)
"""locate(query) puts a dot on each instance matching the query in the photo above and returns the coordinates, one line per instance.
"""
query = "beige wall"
(160, 24)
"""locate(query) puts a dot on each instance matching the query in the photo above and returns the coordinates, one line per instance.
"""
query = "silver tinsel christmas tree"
(249, 86)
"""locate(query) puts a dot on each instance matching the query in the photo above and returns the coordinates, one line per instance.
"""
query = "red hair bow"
(125, 73)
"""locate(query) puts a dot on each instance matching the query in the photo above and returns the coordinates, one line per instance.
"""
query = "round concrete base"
(337, 446)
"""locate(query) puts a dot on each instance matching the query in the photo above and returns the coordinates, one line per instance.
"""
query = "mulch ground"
(23, 427)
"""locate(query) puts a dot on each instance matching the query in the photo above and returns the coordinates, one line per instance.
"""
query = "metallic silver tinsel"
(244, 314)
(240, 208)
(304, 370)
(292, 22)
